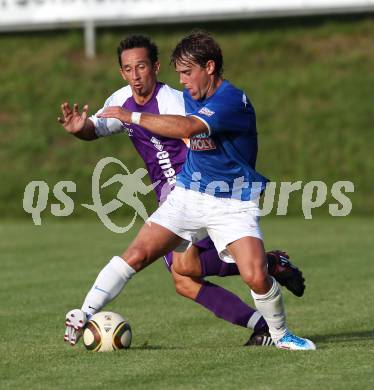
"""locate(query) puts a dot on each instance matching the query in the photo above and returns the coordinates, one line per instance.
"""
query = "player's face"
(139, 72)
(196, 79)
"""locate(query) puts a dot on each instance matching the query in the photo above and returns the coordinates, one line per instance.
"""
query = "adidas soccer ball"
(107, 331)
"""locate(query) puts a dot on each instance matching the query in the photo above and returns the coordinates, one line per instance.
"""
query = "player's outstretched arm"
(77, 123)
(171, 126)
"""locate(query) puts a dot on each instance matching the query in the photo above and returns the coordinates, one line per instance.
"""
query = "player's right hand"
(75, 322)
(72, 120)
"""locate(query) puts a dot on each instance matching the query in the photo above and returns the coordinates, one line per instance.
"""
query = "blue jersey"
(222, 163)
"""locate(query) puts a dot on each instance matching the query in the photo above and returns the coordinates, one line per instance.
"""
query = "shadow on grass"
(346, 337)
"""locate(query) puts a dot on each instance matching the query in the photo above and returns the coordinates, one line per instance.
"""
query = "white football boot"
(75, 322)
(295, 343)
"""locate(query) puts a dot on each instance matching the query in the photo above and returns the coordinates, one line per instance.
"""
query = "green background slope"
(311, 82)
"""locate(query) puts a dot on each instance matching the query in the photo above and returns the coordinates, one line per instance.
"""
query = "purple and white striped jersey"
(163, 156)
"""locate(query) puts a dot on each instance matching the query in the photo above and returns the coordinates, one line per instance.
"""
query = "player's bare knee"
(256, 279)
(247, 277)
(260, 284)
(187, 263)
(137, 257)
(180, 267)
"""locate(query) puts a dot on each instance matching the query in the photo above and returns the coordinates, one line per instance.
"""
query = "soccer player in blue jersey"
(117, 272)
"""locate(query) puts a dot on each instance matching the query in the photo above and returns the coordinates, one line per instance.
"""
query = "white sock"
(270, 305)
(108, 284)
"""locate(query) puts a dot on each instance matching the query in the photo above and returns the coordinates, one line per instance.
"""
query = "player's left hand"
(75, 321)
(116, 112)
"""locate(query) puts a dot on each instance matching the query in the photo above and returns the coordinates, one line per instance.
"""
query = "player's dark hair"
(198, 47)
(138, 41)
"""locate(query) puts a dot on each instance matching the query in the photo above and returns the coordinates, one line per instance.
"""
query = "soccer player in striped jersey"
(164, 157)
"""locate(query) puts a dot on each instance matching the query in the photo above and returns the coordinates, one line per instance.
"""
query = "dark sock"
(211, 264)
(228, 306)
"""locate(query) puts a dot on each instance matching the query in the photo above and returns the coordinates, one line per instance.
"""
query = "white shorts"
(194, 215)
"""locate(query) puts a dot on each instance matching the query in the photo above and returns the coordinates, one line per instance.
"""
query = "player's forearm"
(171, 126)
(87, 133)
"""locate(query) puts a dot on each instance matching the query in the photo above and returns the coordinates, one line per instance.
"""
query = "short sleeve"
(170, 101)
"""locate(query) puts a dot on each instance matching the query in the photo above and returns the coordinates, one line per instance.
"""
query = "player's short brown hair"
(198, 47)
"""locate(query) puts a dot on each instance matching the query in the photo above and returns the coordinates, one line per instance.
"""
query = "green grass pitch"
(45, 271)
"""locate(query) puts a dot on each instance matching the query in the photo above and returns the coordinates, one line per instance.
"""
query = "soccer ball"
(107, 331)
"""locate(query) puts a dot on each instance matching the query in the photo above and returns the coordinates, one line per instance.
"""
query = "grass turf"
(46, 271)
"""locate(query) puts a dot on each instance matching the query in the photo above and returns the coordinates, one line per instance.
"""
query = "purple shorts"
(204, 244)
